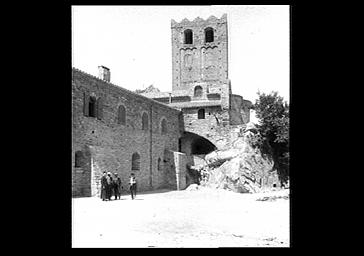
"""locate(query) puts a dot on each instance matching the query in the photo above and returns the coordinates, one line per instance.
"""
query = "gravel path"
(200, 218)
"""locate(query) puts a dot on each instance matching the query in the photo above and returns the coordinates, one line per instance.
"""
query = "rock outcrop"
(241, 169)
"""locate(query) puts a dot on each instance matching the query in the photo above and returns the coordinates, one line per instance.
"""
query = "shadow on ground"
(160, 191)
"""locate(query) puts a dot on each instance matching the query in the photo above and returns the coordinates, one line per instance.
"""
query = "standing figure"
(133, 185)
(109, 188)
(103, 187)
(117, 186)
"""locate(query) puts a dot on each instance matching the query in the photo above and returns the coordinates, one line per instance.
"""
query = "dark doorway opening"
(194, 144)
(201, 146)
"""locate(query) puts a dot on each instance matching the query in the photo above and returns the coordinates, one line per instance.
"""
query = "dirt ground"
(199, 218)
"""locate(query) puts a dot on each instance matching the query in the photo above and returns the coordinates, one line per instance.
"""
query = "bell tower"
(200, 54)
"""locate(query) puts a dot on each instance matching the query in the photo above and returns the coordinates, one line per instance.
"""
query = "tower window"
(209, 35)
(145, 121)
(121, 115)
(188, 36)
(135, 162)
(198, 91)
(201, 113)
(92, 107)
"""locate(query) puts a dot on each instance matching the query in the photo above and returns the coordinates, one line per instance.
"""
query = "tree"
(273, 131)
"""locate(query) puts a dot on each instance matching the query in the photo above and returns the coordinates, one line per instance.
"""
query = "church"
(158, 135)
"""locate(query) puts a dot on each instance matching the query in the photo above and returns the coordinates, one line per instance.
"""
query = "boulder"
(218, 157)
(241, 169)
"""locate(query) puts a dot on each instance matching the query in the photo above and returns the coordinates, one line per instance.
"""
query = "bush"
(273, 131)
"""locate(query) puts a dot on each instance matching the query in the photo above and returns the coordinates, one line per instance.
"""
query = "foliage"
(273, 131)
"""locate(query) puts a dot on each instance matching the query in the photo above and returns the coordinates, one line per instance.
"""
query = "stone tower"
(200, 56)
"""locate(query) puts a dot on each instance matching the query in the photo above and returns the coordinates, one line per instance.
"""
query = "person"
(133, 184)
(103, 186)
(117, 186)
(109, 186)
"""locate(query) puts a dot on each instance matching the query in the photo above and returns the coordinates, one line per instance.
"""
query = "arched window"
(135, 162)
(198, 91)
(201, 113)
(159, 164)
(164, 126)
(78, 159)
(121, 115)
(92, 107)
(188, 36)
(145, 121)
(209, 35)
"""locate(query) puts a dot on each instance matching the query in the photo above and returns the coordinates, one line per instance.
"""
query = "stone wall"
(247, 105)
(213, 127)
(239, 110)
(181, 160)
(236, 106)
(81, 176)
(112, 144)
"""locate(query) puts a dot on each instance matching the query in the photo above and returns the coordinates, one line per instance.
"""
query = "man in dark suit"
(109, 187)
(103, 187)
(117, 186)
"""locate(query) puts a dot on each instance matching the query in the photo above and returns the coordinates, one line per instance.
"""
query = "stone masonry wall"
(239, 110)
(200, 61)
(235, 109)
(247, 105)
(81, 176)
(181, 160)
(212, 127)
(111, 144)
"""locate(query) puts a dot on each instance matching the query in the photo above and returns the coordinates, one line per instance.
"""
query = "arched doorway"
(194, 144)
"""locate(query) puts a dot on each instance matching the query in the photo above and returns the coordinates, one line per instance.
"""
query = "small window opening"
(92, 107)
(159, 164)
(188, 36)
(164, 126)
(145, 121)
(201, 113)
(121, 115)
(79, 159)
(209, 35)
(198, 91)
(135, 162)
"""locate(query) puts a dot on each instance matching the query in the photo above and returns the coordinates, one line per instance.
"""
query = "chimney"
(104, 73)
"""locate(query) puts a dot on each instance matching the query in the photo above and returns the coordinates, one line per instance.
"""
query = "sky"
(134, 42)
